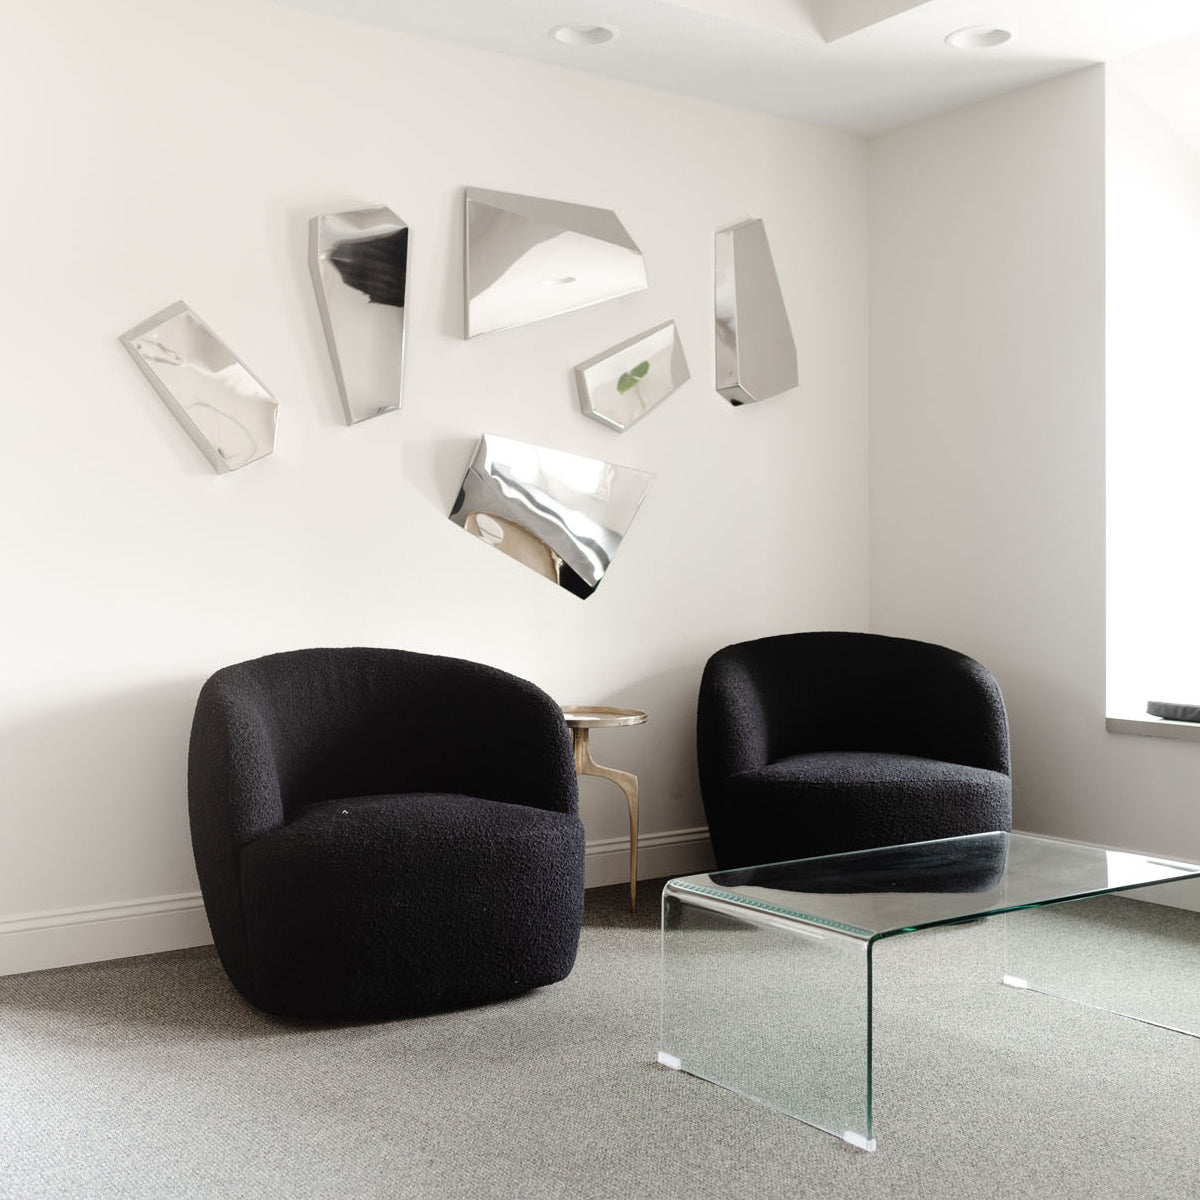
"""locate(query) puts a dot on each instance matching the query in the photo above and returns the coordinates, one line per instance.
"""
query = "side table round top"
(600, 716)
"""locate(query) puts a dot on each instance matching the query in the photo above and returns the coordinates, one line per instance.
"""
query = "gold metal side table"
(581, 719)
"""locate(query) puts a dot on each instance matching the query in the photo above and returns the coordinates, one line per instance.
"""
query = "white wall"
(165, 149)
(1153, 295)
(987, 444)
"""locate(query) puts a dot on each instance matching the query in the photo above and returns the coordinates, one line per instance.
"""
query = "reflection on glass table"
(767, 971)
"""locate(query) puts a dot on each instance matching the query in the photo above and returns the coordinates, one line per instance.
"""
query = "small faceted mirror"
(756, 354)
(624, 383)
(226, 411)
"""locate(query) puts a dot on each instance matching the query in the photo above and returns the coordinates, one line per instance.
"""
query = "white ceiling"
(861, 65)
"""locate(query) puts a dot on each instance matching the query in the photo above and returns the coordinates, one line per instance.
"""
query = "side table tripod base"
(582, 719)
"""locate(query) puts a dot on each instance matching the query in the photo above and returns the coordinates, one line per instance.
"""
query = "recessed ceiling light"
(979, 37)
(583, 35)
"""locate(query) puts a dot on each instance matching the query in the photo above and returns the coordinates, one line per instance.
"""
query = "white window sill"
(1147, 726)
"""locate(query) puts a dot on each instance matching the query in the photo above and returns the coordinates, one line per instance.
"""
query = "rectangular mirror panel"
(359, 266)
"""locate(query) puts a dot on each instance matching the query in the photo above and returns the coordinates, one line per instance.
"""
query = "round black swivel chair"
(380, 832)
(819, 743)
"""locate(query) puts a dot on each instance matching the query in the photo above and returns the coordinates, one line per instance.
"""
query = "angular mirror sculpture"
(560, 514)
(756, 356)
(526, 258)
(621, 385)
(359, 265)
(229, 414)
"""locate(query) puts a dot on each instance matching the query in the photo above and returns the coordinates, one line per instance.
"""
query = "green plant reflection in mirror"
(620, 385)
(630, 380)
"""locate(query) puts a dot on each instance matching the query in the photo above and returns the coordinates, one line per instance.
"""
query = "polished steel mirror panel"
(527, 258)
(359, 265)
(229, 414)
(624, 383)
(560, 514)
(756, 355)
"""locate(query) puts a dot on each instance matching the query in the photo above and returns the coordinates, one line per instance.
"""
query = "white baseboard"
(65, 937)
(69, 936)
(676, 852)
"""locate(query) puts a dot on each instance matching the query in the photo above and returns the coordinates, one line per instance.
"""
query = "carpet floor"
(149, 1077)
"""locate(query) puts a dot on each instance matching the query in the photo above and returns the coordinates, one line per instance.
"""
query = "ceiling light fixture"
(583, 35)
(979, 37)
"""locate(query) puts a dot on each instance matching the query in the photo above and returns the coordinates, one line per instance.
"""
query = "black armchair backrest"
(311, 725)
(767, 699)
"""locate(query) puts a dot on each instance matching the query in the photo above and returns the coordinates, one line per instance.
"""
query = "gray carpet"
(149, 1077)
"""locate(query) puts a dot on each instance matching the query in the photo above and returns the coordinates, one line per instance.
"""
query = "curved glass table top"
(871, 894)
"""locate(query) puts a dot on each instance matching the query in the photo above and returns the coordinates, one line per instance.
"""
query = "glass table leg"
(1112, 952)
(772, 1008)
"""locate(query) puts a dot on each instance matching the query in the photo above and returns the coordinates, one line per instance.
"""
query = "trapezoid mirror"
(562, 515)
(526, 259)
(624, 383)
(359, 266)
(226, 411)
(756, 354)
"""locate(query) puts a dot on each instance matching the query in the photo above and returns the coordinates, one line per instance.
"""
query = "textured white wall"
(165, 149)
(987, 443)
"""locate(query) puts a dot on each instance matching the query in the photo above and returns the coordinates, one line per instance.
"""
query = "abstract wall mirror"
(526, 258)
(756, 354)
(624, 383)
(359, 265)
(229, 414)
(560, 514)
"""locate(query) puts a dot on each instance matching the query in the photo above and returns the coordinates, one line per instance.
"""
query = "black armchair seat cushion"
(478, 888)
(855, 799)
(873, 769)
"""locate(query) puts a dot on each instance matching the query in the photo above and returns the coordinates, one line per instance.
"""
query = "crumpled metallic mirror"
(359, 265)
(624, 383)
(561, 514)
(227, 412)
(756, 354)
(527, 258)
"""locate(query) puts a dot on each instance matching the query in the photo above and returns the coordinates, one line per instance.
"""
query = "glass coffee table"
(767, 971)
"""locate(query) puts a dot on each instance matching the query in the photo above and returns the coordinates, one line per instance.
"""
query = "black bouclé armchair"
(381, 832)
(819, 743)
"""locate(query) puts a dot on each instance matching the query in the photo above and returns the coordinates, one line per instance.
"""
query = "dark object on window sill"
(1174, 712)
